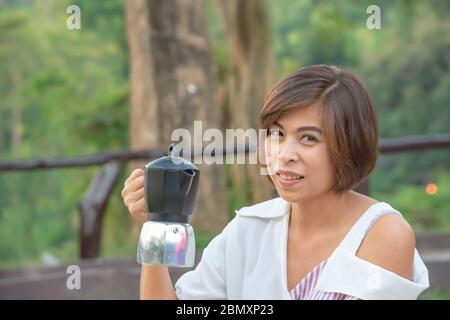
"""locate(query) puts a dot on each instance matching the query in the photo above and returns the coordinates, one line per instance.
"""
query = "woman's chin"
(292, 196)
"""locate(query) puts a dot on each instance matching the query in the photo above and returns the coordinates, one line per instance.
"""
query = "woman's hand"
(155, 280)
(133, 195)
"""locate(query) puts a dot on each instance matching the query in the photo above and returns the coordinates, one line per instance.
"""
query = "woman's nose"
(288, 153)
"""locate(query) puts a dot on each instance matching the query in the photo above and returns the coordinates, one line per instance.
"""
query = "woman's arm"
(390, 244)
(207, 281)
(155, 280)
(156, 283)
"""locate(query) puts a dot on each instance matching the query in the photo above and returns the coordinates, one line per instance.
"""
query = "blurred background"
(81, 107)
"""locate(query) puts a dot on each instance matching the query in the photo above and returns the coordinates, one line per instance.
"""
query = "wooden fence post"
(92, 208)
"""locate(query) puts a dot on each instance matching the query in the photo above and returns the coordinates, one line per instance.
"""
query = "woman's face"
(297, 156)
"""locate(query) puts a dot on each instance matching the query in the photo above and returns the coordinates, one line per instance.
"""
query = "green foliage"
(39, 214)
(425, 212)
(436, 294)
(71, 88)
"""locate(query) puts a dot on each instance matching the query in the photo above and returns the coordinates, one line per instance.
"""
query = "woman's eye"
(274, 133)
(309, 139)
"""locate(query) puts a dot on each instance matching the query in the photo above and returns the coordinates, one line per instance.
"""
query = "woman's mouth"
(288, 180)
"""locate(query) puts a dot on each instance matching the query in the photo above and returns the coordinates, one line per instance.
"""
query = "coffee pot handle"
(191, 174)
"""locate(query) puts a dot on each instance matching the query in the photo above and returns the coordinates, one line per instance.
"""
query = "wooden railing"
(94, 202)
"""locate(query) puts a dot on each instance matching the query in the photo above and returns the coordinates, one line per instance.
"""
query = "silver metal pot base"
(163, 243)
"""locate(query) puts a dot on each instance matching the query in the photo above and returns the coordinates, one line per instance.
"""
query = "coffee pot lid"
(171, 162)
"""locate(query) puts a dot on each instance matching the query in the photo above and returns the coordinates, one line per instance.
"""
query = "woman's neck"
(320, 214)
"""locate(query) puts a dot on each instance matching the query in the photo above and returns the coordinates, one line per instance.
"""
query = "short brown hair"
(348, 119)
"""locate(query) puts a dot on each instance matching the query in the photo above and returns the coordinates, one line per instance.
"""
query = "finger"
(132, 197)
(135, 185)
(138, 207)
(135, 196)
(136, 173)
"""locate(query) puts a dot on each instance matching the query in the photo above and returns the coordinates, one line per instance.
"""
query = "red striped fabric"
(306, 288)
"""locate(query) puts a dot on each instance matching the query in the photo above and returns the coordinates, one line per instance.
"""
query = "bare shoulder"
(390, 244)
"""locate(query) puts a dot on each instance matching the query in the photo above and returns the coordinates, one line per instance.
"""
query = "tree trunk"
(172, 84)
(252, 72)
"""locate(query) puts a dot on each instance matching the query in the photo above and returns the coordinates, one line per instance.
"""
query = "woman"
(319, 239)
